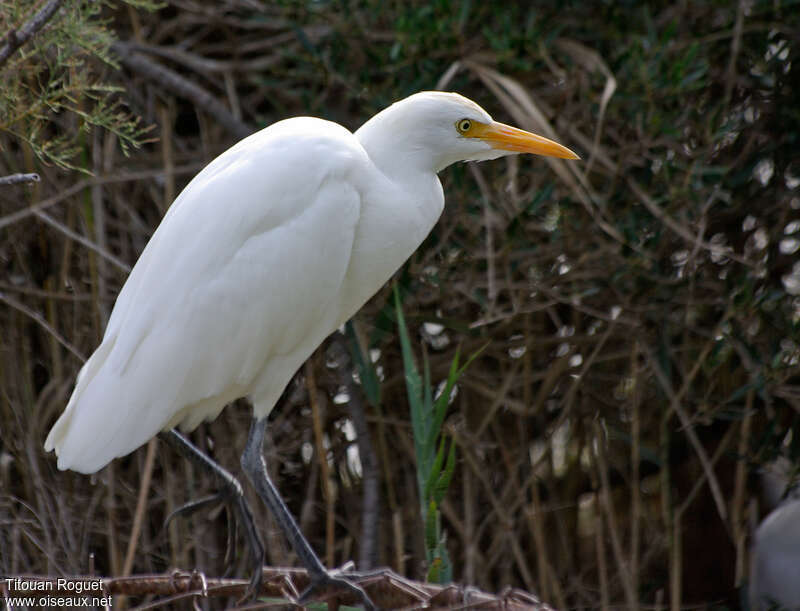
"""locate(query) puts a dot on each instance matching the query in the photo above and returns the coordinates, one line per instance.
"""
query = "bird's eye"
(464, 125)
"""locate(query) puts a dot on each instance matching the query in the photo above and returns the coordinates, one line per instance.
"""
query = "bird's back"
(239, 283)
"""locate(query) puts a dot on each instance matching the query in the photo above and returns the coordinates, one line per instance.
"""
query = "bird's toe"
(327, 581)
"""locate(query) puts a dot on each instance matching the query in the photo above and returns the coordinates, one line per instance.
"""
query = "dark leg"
(230, 493)
(256, 469)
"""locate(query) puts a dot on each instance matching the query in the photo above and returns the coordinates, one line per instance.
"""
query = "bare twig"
(206, 65)
(674, 225)
(17, 38)
(18, 179)
(82, 240)
(592, 62)
(623, 570)
(736, 45)
(675, 404)
(42, 323)
(322, 458)
(14, 217)
(141, 507)
(636, 495)
(487, 215)
(370, 504)
(175, 83)
(386, 588)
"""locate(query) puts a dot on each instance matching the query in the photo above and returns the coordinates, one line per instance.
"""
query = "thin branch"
(387, 588)
(370, 469)
(177, 84)
(491, 273)
(623, 570)
(17, 179)
(82, 240)
(675, 226)
(43, 323)
(262, 63)
(14, 217)
(141, 507)
(736, 45)
(322, 456)
(675, 404)
(16, 39)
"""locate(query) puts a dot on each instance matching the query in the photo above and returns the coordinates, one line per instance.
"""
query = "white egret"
(269, 249)
(775, 570)
(775, 560)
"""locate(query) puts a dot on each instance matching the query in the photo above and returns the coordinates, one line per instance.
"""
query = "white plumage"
(266, 251)
(775, 559)
(775, 571)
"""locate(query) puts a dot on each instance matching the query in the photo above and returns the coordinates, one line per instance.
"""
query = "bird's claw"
(254, 587)
(233, 508)
(328, 580)
(195, 506)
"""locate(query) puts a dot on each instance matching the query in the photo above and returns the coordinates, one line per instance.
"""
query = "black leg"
(256, 469)
(231, 493)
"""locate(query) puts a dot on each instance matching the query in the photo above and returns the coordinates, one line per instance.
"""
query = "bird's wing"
(244, 272)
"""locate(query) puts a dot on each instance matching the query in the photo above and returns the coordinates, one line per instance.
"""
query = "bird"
(269, 249)
(775, 554)
(776, 559)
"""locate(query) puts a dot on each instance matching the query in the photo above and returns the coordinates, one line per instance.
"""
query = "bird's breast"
(395, 219)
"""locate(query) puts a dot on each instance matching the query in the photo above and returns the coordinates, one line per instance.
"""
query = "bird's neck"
(395, 151)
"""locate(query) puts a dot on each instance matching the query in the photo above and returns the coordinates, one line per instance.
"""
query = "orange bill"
(507, 138)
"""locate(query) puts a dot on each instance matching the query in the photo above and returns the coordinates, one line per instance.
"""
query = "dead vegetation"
(640, 309)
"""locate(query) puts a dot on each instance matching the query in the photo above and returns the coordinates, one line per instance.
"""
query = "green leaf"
(443, 479)
(431, 527)
(435, 463)
(434, 472)
(435, 571)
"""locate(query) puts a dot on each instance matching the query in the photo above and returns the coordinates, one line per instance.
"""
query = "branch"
(177, 84)
(38, 318)
(18, 179)
(385, 587)
(16, 39)
(81, 240)
(370, 503)
(17, 216)
(207, 65)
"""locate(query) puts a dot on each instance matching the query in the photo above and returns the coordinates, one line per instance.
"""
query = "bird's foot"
(193, 576)
(222, 497)
(236, 510)
(230, 493)
(332, 580)
(194, 506)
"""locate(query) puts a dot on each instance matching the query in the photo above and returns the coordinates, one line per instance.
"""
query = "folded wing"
(237, 286)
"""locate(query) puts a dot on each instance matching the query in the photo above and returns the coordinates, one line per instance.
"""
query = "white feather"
(269, 249)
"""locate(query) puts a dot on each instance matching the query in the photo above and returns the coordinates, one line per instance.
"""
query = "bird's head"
(439, 128)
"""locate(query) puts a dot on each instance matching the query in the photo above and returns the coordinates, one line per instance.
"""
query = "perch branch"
(16, 38)
(17, 179)
(385, 587)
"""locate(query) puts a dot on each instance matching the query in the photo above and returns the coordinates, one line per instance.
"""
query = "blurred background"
(638, 310)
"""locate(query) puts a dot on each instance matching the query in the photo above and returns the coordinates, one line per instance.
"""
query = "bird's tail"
(85, 375)
(79, 436)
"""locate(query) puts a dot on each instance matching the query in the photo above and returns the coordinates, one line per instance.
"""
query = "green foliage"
(54, 86)
(434, 472)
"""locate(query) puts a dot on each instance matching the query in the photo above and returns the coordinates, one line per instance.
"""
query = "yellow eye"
(463, 126)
